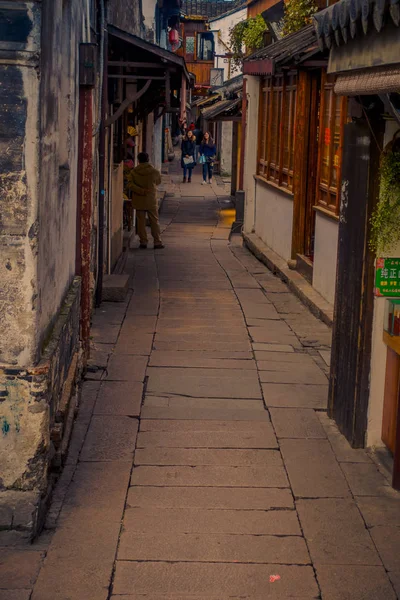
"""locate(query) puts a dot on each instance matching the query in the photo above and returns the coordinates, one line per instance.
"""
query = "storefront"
(291, 177)
(364, 59)
(147, 88)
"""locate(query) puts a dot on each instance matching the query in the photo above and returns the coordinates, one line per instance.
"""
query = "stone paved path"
(203, 465)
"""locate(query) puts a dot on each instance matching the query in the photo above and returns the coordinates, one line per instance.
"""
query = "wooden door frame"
(359, 185)
(306, 161)
(234, 161)
(300, 167)
(312, 165)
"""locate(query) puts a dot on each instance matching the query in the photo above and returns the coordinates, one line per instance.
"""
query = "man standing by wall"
(143, 181)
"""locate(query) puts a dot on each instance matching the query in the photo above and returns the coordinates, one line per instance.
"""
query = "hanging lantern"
(173, 37)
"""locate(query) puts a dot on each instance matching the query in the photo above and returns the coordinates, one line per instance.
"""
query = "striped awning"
(371, 81)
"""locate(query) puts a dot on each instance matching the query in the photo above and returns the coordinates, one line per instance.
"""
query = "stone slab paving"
(220, 548)
(296, 423)
(241, 499)
(202, 464)
(313, 469)
(336, 533)
(119, 398)
(295, 396)
(251, 581)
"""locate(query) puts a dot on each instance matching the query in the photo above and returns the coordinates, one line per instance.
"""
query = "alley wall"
(40, 293)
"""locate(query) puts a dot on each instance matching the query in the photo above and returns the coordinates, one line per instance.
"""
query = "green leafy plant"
(298, 13)
(246, 37)
(385, 220)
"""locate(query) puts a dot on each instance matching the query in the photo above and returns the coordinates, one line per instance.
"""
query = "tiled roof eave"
(340, 23)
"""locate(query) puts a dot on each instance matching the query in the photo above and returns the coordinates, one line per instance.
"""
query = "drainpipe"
(87, 79)
(102, 148)
(86, 217)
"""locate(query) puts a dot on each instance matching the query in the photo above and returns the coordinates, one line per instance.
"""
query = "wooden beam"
(133, 77)
(167, 91)
(137, 65)
(129, 99)
(234, 118)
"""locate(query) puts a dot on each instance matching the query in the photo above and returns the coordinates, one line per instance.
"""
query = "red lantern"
(173, 37)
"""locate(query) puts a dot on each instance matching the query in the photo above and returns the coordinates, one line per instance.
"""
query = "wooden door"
(312, 163)
(352, 329)
(390, 404)
(305, 162)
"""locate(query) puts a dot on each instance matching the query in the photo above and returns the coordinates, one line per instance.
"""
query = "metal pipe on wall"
(85, 216)
(102, 148)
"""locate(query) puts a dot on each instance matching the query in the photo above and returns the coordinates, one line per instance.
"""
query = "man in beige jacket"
(143, 181)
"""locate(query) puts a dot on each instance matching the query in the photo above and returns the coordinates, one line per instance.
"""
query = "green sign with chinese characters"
(387, 277)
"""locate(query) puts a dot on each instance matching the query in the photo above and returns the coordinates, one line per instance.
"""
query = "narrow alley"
(202, 464)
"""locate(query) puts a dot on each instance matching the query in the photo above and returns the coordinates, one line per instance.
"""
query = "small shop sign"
(387, 277)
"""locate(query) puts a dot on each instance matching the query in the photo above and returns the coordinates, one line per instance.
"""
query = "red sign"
(327, 136)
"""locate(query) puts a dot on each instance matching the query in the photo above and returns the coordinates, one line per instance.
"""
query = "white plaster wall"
(378, 351)
(156, 157)
(274, 219)
(117, 208)
(148, 9)
(377, 376)
(226, 147)
(250, 154)
(325, 256)
(221, 28)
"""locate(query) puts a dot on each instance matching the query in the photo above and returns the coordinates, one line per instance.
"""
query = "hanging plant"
(246, 37)
(385, 220)
(298, 13)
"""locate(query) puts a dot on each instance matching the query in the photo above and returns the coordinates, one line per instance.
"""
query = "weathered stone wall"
(39, 297)
(35, 414)
(58, 132)
(126, 15)
(19, 166)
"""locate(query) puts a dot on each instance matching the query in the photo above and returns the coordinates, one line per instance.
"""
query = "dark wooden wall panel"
(351, 350)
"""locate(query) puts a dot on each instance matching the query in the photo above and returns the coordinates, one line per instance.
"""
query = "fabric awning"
(368, 82)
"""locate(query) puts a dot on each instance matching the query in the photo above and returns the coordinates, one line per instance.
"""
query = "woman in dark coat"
(188, 160)
(208, 151)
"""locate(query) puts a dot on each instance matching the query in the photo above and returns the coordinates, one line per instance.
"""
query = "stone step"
(115, 288)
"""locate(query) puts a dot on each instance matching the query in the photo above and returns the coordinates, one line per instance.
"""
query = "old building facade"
(61, 218)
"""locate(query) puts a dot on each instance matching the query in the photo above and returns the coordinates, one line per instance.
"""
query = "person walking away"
(143, 181)
(198, 134)
(188, 160)
(208, 152)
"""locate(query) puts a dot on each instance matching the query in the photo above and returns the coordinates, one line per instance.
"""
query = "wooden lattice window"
(332, 118)
(276, 130)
